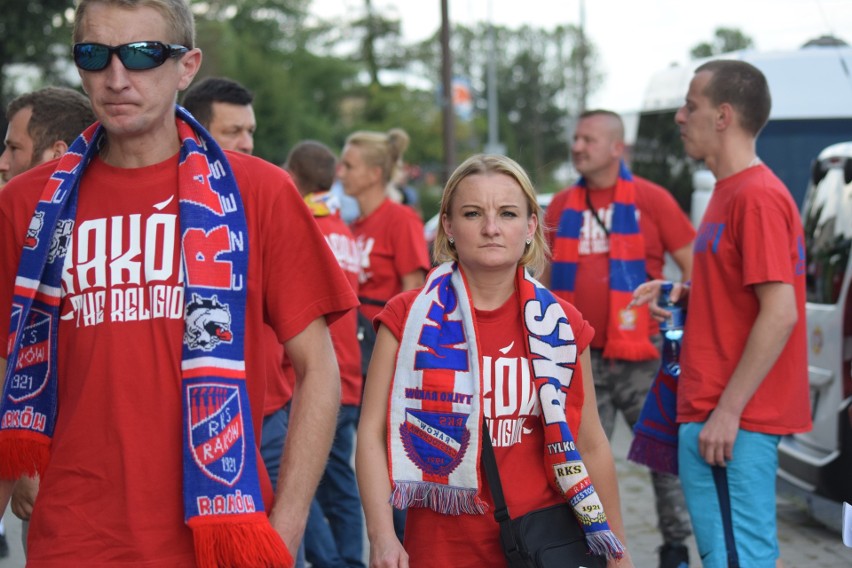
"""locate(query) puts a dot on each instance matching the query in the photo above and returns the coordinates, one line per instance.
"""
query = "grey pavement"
(804, 542)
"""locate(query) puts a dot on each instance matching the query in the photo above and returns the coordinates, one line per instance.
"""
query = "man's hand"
(649, 292)
(24, 496)
(716, 439)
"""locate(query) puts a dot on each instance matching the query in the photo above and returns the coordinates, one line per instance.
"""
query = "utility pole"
(584, 65)
(448, 112)
(493, 146)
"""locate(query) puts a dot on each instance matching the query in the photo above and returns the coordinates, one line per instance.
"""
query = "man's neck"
(734, 156)
(140, 151)
(603, 179)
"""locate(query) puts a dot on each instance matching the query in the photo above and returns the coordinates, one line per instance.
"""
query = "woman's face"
(355, 174)
(490, 222)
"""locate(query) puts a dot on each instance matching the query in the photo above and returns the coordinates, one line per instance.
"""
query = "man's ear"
(190, 65)
(54, 151)
(724, 116)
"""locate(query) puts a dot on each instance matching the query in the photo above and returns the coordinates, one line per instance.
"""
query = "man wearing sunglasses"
(147, 264)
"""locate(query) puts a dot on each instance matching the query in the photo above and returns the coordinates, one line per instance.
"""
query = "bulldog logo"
(216, 430)
(60, 240)
(435, 441)
(208, 323)
(36, 223)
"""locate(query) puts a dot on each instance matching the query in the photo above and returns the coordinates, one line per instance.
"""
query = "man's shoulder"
(28, 186)
(647, 186)
(254, 168)
(560, 198)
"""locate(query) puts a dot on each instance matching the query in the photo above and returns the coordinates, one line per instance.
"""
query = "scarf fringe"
(605, 543)
(658, 455)
(440, 498)
(236, 541)
(25, 454)
(630, 350)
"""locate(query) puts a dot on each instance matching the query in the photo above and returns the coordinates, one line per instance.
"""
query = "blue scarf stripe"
(563, 274)
(570, 223)
(626, 275)
(624, 219)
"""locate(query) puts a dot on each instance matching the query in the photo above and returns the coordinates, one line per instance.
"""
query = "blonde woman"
(461, 349)
(394, 255)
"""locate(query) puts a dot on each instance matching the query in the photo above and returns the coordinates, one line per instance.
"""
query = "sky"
(634, 38)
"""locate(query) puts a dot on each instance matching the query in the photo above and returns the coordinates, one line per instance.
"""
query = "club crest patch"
(32, 366)
(435, 441)
(208, 323)
(216, 431)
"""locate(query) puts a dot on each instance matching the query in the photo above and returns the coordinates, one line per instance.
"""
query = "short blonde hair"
(383, 150)
(536, 254)
(176, 13)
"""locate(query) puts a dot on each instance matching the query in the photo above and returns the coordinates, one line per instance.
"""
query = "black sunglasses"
(136, 56)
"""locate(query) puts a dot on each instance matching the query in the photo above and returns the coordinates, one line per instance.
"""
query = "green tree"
(538, 88)
(724, 40)
(263, 44)
(38, 33)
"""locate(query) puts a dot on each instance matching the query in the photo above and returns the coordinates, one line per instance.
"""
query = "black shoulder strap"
(501, 511)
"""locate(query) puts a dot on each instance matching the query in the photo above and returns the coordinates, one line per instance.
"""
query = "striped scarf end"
(440, 498)
(238, 541)
(658, 455)
(23, 453)
(605, 543)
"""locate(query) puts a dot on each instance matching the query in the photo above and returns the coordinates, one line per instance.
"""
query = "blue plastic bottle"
(672, 330)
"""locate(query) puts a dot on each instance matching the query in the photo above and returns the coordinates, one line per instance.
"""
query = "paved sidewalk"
(804, 543)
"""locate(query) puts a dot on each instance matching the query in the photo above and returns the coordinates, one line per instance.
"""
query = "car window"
(827, 219)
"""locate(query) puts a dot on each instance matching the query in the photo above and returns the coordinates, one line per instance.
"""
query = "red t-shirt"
(751, 233)
(112, 491)
(511, 408)
(392, 245)
(664, 227)
(344, 332)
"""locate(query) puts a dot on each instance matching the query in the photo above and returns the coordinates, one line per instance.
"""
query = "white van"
(811, 108)
(819, 462)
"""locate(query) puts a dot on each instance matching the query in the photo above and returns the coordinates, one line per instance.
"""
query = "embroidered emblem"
(32, 366)
(216, 431)
(208, 323)
(627, 320)
(435, 441)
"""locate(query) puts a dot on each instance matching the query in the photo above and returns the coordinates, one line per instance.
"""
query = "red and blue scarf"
(222, 498)
(435, 413)
(627, 327)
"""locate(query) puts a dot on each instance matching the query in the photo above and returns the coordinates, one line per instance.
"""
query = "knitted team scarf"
(627, 328)
(222, 498)
(655, 433)
(435, 403)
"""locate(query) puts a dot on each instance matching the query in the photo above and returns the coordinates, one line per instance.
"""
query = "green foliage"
(323, 78)
(37, 32)
(724, 40)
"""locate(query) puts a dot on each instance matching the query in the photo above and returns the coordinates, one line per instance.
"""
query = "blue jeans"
(271, 447)
(334, 536)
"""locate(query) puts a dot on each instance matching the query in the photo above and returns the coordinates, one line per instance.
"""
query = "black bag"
(544, 538)
(366, 334)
